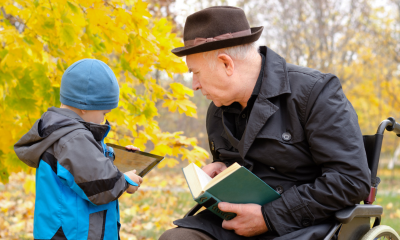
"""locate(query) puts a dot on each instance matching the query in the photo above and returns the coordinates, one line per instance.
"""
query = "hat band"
(199, 41)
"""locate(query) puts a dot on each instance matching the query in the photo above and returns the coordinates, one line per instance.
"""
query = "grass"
(388, 196)
(391, 210)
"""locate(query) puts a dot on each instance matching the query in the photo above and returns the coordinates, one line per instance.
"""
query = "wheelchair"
(354, 223)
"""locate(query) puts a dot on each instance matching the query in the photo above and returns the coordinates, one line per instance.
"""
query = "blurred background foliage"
(357, 40)
(40, 39)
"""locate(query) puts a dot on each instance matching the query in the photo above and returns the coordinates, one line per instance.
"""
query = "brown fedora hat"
(215, 28)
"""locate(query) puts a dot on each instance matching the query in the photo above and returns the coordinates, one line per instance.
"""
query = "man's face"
(215, 84)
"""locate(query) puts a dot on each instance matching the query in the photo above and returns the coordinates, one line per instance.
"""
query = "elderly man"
(291, 126)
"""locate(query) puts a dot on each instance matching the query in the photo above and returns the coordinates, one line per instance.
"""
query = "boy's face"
(94, 116)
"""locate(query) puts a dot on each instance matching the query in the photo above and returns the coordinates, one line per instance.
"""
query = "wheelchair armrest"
(193, 211)
(347, 214)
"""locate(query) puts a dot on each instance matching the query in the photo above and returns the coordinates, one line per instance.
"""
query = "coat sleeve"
(84, 168)
(336, 145)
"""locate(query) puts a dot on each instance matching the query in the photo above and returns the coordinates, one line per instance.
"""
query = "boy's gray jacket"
(73, 166)
(303, 139)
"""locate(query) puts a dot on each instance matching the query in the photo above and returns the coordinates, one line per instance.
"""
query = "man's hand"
(249, 220)
(132, 175)
(213, 169)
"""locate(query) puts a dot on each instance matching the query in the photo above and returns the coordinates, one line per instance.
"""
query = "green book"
(235, 184)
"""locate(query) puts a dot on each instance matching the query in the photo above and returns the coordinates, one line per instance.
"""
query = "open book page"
(222, 175)
(202, 176)
(196, 179)
(199, 181)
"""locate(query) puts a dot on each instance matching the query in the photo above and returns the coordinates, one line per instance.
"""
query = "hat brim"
(210, 46)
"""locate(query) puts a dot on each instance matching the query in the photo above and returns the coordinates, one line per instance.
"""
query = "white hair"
(240, 52)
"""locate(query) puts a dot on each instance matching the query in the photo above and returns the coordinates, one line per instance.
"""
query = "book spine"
(210, 202)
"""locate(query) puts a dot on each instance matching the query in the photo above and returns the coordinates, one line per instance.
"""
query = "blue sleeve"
(129, 181)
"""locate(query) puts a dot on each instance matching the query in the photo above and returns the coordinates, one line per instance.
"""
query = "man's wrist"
(266, 219)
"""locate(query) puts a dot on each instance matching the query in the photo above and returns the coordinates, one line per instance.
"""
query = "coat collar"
(275, 80)
(99, 131)
(65, 112)
(275, 83)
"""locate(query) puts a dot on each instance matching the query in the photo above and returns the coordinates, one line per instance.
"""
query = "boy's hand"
(132, 175)
(133, 148)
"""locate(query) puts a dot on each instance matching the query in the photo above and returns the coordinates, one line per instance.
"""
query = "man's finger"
(228, 207)
(228, 225)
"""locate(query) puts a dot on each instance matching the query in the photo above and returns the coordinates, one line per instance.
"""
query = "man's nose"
(196, 85)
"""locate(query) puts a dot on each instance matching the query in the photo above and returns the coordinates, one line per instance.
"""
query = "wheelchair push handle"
(395, 127)
(389, 124)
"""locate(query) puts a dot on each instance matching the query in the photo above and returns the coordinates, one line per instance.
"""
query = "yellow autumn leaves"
(40, 39)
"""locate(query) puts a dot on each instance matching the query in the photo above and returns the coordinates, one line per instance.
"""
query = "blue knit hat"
(89, 84)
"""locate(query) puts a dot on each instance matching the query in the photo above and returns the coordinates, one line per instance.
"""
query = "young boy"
(77, 184)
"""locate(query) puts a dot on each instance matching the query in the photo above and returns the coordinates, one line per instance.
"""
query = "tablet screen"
(127, 160)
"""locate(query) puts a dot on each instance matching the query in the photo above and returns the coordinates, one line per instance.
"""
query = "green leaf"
(41, 80)
(14, 164)
(68, 34)
(150, 109)
(21, 104)
(64, 17)
(25, 85)
(61, 65)
(3, 53)
(49, 23)
(74, 8)
(5, 77)
(3, 171)
(98, 45)
(56, 96)
(138, 75)
(28, 40)
(124, 64)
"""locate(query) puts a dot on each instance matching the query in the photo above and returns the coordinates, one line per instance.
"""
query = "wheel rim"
(386, 236)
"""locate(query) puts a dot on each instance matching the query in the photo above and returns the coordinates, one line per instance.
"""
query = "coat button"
(286, 136)
(306, 222)
(243, 115)
(279, 189)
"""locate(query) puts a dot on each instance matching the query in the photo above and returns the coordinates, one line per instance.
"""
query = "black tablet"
(127, 160)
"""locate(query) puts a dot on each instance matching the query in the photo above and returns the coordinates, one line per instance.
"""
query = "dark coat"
(303, 139)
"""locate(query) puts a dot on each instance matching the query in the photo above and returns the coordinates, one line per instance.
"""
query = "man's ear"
(227, 62)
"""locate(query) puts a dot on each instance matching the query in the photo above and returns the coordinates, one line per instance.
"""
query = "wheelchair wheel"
(381, 232)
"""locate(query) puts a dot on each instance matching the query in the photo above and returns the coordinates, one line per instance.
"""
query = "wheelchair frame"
(355, 222)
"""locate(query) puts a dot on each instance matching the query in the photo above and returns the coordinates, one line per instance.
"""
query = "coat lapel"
(262, 111)
(275, 83)
(234, 141)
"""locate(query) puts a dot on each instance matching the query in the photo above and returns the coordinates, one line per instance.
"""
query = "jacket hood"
(53, 125)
